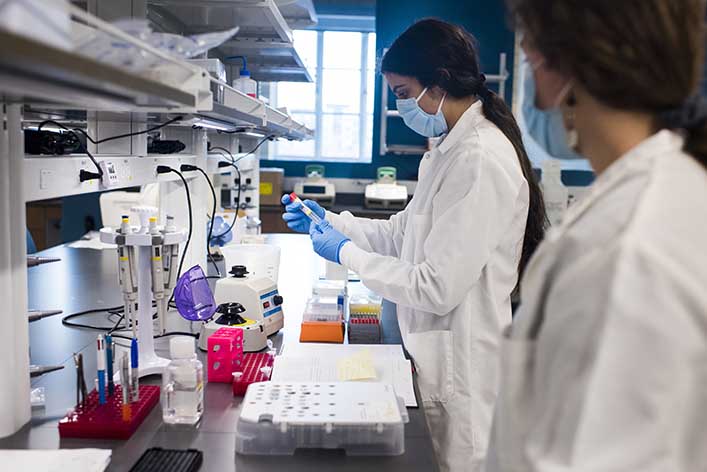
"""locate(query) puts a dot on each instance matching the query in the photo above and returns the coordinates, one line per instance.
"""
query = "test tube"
(305, 209)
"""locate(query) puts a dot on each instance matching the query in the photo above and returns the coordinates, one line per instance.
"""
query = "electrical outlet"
(45, 177)
(110, 174)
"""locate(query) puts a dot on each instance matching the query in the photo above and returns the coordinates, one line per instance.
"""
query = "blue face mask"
(546, 127)
(419, 120)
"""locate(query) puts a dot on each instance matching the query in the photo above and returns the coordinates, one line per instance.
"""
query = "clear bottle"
(183, 384)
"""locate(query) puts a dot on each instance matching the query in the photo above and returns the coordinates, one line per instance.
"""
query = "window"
(338, 105)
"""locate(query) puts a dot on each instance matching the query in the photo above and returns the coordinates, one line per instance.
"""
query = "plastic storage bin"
(361, 418)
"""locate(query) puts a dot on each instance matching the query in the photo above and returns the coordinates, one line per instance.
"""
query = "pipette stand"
(149, 362)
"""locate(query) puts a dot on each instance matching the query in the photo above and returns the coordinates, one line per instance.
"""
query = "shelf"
(299, 14)
(259, 19)
(36, 73)
(284, 125)
(240, 111)
(48, 177)
(269, 61)
(264, 38)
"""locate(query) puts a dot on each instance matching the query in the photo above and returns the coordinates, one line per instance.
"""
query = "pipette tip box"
(362, 418)
(257, 367)
(92, 420)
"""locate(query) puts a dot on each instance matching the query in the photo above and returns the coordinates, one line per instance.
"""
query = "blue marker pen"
(101, 364)
(135, 380)
(109, 364)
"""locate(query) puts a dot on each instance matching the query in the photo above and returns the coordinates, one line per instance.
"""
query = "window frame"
(365, 116)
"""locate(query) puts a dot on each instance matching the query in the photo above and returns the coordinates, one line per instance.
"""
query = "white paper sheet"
(56, 460)
(392, 370)
(341, 350)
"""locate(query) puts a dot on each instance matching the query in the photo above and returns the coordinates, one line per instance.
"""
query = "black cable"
(128, 135)
(66, 320)
(266, 138)
(187, 168)
(165, 170)
(219, 148)
(84, 175)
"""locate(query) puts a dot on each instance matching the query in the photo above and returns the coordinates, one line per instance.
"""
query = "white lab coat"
(449, 261)
(605, 366)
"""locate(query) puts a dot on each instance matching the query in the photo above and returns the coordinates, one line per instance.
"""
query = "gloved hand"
(295, 219)
(327, 241)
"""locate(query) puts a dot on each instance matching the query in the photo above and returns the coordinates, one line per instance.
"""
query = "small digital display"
(314, 189)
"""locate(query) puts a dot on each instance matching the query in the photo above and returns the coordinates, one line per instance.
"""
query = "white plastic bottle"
(555, 193)
(244, 83)
(183, 384)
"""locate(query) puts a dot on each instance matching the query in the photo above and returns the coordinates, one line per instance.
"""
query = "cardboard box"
(271, 183)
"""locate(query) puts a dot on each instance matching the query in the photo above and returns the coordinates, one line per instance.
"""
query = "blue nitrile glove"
(327, 241)
(295, 219)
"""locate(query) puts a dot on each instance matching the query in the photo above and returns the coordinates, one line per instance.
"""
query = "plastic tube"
(305, 209)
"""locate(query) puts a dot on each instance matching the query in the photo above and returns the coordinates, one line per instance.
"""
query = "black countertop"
(86, 279)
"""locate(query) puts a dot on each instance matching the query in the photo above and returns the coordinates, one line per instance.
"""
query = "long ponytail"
(441, 54)
(497, 112)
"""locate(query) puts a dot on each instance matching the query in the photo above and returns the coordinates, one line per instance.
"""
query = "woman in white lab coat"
(451, 259)
(605, 366)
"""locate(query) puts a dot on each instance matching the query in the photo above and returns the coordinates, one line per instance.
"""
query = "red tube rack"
(252, 363)
(95, 421)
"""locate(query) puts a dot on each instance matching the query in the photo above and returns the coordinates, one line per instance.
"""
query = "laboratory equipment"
(322, 308)
(323, 320)
(305, 209)
(386, 193)
(81, 390)
(157, 459)
(33, 261)
(37, 370)
(138, 264)
(365, 326)
(330, 288)
(315, 186)
(134, 367)
(257, 367)
(229, 316)
(262, 260)
(91, 420)
(555, 193)
(183, 384)
(125, 383)
(225, 355)
(36, 315)
(258, 295)
(110, 351)
(244, 83)
(363, 418)
(193, 296)
(101, 368)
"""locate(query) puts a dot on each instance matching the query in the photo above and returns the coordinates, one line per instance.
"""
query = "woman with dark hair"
(452, 258)
(605, 368)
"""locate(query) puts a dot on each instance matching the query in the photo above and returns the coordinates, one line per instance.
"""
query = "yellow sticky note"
(265, 188)
(356, 367)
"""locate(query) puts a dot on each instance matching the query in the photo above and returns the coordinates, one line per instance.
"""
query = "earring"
(568, 116)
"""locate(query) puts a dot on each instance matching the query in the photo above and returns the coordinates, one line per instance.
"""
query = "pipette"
(305, 209)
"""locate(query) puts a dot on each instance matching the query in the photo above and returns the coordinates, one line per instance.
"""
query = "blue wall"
(486, 20)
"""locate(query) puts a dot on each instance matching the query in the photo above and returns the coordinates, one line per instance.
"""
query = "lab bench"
(85, 279)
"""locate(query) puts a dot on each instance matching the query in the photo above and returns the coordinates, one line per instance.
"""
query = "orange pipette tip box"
(322, 332)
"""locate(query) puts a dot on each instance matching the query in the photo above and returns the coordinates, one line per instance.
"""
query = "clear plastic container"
(363, 418)
(183, 384)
